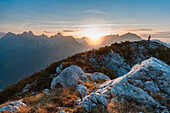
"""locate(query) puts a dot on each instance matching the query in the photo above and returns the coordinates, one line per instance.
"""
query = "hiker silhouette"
(149, 38)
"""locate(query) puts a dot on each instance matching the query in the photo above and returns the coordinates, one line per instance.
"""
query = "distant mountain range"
(26, 53)
(109, 39)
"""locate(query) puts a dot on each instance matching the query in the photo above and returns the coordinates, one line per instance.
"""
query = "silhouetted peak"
(10, 33)
(130, 35)
(59, 34)
(29, 33)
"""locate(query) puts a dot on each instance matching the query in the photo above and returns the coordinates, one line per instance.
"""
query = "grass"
(124, 106)
(61, 97)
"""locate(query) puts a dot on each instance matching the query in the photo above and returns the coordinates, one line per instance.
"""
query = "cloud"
(70, 30)
(47, 32)
(137, 30)
(94, 11)
(164, 34)
(97, 25)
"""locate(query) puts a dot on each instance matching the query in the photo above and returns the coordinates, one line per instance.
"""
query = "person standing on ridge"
(149, 38)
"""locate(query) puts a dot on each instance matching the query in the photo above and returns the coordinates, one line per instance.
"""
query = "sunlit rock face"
(142, 84)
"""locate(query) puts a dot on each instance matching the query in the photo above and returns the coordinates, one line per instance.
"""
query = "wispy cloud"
(97, 25)
(138, 30)
(163, 34)
(93, 11)
(47, 32)
(70, 30)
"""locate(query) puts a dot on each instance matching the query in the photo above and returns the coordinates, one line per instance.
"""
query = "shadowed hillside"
(24, 54)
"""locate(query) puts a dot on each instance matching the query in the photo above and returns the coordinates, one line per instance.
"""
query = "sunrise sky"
(83, 17)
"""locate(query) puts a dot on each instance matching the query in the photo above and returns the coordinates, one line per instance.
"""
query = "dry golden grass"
(88, 84)
(32, 98)
(24, 109)
(98, 109)
(43, 103)
(7, 102)
(124, 107)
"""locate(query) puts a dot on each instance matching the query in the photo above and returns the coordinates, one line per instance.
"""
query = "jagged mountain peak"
(59, 34)
(9, 35)
(27, 34)
(130, 35)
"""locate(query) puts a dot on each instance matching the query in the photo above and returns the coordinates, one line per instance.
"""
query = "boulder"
(82, 90)
(26, 88)
(47, 91)
(145, 79)
(79, 72)
(132, 93)
(13, 106)
(91, 100)
(87, 105)
(67, 78)
(99, 76)
(59, 68)
(98, 98)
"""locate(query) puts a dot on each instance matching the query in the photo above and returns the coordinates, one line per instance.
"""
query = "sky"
(78, 17)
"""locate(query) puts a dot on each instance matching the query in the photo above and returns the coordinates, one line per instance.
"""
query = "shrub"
(107, 72)
(67, 64)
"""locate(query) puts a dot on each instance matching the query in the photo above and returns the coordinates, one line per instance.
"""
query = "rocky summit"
(105, 80)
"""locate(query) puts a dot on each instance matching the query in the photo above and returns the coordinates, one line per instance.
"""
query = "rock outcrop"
(59, 68)
(47, 91)
(82, 90)
(112, 61)
(79, 72)
(99, 76)
(141, 84)
(13, 106)
(92, 99)
(67, 78)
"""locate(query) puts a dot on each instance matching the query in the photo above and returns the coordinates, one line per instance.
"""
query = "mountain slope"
(26, 53)
(121, 56)
(145, 88)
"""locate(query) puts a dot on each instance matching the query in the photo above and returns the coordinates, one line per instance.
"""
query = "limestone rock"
(99, 76)
(150, 77)
(82, 90)
(79, 72)
(47, 91)
(67, 78)
(13, 106)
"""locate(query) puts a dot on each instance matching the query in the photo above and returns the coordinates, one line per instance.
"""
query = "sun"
(94, 35)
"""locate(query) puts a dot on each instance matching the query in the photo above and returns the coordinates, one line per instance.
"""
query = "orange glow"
(94, 35)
